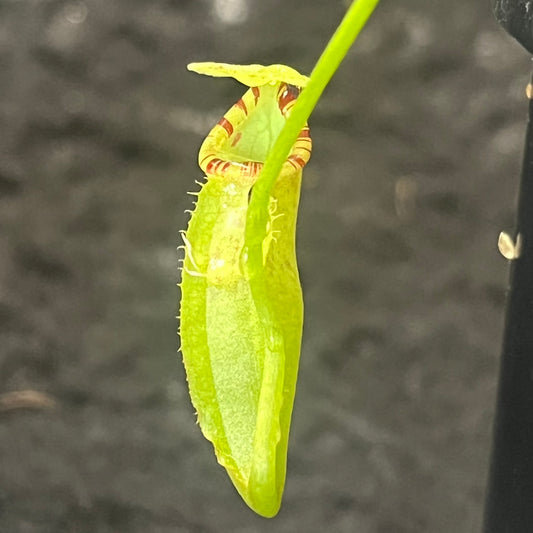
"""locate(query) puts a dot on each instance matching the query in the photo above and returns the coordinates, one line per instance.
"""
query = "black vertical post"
(509, 505)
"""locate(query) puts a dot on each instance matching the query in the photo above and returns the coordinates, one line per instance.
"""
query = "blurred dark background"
(417, 143)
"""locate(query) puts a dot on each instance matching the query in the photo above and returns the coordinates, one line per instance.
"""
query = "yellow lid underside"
(251, 75)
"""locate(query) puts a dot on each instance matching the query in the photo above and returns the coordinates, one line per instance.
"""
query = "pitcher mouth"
(237, 146)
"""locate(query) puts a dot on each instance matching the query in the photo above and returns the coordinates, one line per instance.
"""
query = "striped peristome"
(241, 383)
(212, 161)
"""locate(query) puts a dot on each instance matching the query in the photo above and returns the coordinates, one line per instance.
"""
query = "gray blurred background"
(417, 148)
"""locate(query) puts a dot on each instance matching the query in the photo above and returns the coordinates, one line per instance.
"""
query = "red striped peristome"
(210, 159)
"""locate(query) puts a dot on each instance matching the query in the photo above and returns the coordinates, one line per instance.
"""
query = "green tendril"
(337, 48)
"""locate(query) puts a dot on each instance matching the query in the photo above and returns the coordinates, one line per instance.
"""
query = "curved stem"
(256, 222)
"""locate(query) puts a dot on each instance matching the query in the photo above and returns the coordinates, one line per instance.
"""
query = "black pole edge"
(516, 16)
(509, 502)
